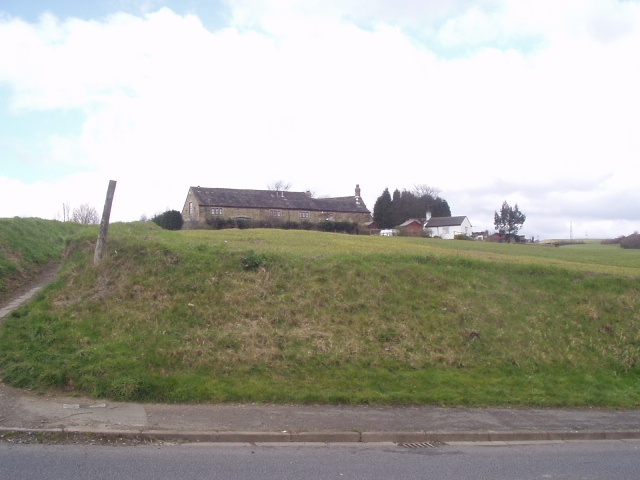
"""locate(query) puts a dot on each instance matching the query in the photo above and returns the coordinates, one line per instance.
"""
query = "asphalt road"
(551, 460)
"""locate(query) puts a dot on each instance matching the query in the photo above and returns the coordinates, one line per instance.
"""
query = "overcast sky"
(532, 102)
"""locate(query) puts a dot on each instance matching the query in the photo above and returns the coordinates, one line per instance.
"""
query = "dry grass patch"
(314, 317)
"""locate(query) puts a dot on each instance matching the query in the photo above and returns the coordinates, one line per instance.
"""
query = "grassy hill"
(297, 316)
(26, 246)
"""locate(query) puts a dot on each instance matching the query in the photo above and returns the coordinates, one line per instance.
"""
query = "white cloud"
(537, 106)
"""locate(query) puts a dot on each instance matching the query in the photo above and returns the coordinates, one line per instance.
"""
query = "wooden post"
(104, 224)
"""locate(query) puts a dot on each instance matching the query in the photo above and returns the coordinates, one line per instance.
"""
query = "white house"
(447, 227)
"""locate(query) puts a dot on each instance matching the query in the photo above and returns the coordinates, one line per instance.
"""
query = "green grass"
(298, 316)
(26, 245)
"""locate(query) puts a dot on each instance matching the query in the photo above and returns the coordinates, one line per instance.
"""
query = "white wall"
(450, 232)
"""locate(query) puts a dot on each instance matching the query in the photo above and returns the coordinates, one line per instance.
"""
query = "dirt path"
(29, 290)
(9, 396)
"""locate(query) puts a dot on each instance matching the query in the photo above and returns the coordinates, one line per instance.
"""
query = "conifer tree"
(382, 214)
(389, 212)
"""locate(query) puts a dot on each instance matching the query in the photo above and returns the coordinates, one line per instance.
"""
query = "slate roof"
(282, 200)
(410, 221)
(445, 221)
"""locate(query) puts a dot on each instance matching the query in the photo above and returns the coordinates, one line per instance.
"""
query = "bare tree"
(422, 190)
(66, 210)
(85, 214)
(279, 186)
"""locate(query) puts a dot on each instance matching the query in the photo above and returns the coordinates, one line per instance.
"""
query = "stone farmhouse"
(203, 204)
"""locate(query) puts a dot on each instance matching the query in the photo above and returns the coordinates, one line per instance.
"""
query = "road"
(563, 460)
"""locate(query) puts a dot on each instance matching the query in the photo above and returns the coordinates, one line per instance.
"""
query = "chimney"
(358, 190)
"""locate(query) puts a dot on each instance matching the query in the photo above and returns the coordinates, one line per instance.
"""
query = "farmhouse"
(206, 204)
(447, 227)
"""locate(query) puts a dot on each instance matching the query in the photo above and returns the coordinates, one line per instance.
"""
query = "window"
(303, 215)
(217, 211)
(276, 213)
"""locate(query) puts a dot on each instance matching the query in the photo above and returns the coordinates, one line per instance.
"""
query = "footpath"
(23, 412)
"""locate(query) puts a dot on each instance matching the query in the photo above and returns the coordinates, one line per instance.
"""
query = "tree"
(382, 214)
(391, 211)
(279, 186)
(395, 208)
(85, 214)
(66, 212)
(169, 220)
(509, 220)
(440, 208)
(423, 190)
(631, 241)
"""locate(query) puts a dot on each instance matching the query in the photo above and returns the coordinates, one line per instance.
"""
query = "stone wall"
(280, 215)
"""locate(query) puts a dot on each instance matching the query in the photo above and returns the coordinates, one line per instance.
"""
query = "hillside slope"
(292, 316)
(27, 245)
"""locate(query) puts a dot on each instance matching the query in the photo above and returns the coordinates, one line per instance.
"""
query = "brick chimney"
(358, 190)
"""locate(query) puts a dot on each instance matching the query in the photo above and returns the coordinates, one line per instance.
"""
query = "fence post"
(101, 245)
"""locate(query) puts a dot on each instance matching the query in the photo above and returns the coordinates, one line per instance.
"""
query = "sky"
(532, 103)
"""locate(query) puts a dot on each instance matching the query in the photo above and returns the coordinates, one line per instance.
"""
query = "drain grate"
(417, 445)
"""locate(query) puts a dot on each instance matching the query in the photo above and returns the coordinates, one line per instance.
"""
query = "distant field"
(296, 316)
(593, 257)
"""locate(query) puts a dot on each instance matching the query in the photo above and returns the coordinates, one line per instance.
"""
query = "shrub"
(327, 226)
(347, 227)
(243, 223)
(169, 220)
(338, 227)
(273, 223)
(291, 226)
(218, 223)
(612, 241)
(631, 241)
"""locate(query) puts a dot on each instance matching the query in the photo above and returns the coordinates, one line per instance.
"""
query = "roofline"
(196, 190)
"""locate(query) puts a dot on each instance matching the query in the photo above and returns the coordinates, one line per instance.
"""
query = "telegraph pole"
(571, 231)
(101, 245)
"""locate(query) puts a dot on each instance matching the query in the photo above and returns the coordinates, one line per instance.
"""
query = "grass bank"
(26, 246)
(295, 316)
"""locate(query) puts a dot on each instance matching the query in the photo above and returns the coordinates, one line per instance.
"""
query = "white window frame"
(276, 213)
(303, 215)
(217, 211)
